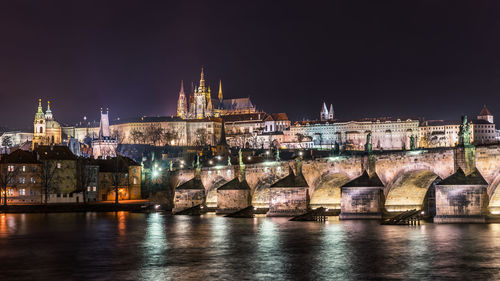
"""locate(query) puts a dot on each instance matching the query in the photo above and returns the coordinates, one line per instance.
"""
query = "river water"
(134, 246)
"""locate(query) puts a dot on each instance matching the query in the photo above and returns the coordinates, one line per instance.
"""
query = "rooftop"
(459, 178)
(365, 180)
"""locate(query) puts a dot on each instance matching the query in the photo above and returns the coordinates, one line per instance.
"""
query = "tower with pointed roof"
(105, 145)
(39, 126)
(46, 131)
(182, 103)
(324, 113)
(485, 114)
(331, 114)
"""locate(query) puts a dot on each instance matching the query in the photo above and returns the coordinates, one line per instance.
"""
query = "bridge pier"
(462, 198)
(188, 195)
(361, 198)
(233, 196)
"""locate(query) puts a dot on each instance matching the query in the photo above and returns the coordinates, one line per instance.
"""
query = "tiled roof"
(55, 152)
(234, 104)
(194, 183)
(235, 184)
(459, 178)
(485, 111)
(20, 156)
(365, 180)
(291, 180)
(441, 122)
(113, 164)
(256, 116)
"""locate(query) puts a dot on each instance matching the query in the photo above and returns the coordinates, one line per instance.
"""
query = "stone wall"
(460, 203)
(288, 201)
(360, 203)
(230, 201)
(187, 198)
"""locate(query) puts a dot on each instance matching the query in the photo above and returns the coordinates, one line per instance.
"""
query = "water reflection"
(127, 246)
(154, 249)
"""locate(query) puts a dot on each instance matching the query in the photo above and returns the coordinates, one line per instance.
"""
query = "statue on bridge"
(229, 160)
(240, 157)
(368, 145)
(171, 166)
(412, 142)
(464, 133)
(278, 154)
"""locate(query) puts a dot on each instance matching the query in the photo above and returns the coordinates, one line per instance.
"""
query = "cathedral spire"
(181, 104)
(202, 79)
(220, 90)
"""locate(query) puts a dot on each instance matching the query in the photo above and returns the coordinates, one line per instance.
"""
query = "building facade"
(46, 131)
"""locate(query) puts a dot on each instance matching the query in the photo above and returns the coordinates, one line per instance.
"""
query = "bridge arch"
(494, 194)
(409, 189)
(327, 191)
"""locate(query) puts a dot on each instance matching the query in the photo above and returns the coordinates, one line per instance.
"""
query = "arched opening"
(327, 192)
(412, 190)
(211, 199)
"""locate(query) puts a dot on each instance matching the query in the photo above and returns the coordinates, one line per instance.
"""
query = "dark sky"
(435, 59)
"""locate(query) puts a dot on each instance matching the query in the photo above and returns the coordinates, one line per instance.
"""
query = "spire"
(331, 115)
(40, 109)
(48, 113)
(181, 104)
(104, 126)
(220, 91)
(202, 79)
(39, 113)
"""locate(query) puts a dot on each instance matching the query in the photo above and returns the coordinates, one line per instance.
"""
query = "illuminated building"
(105, 144)
(46, 131)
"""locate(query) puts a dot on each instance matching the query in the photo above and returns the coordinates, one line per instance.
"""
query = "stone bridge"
(406, 175)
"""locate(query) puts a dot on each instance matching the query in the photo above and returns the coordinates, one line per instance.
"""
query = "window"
(24, 169)
(22, 180)
(22, 192)
(10, 168)
(32, 180)
(59, 165)
(88, 188)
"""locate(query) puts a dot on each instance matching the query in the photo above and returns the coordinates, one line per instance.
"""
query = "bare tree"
(201, 137)
(8, 173)
(154, 134)
(169, 135)
(48, 178)
(7, 141)
(137, 136)
(84, 176)
(117, 177)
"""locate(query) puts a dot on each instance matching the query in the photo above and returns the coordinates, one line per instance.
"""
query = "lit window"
(22, 192)
(94, 189)
(10, 168)
(59, 165)
(24, 169)
(32, 180)
(88, 188)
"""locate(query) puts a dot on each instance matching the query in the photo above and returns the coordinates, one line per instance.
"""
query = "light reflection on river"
(130, 246)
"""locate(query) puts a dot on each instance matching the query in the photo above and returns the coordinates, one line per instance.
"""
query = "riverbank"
(138, 206)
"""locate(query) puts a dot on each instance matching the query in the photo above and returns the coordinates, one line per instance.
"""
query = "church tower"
(182, 104)
(39, 126)
(105, 145)
(331, 114)
(324, 113)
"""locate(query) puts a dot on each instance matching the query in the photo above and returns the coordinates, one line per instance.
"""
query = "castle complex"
(200, 104)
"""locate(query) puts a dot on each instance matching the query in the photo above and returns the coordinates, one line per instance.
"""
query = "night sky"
(435, 59)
